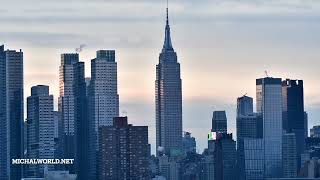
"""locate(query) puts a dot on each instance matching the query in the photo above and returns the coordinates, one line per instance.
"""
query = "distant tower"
(40, 131)
(11, 112)
(219, 122)
(269, 104)
(72, 106)
(293, 114)
(168, 93)
(103, 100)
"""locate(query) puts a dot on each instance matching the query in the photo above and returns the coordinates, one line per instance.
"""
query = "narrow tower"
(168, 95)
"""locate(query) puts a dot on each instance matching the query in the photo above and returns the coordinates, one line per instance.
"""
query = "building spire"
(167, 41)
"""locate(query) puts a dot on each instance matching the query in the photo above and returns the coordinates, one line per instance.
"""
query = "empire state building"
(168, 98)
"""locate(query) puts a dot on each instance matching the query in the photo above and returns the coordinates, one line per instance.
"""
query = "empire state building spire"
(167, 46)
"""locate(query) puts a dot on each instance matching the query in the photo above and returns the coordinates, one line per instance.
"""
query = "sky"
(222, 46)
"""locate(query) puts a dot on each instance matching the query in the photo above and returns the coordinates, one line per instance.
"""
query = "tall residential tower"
(168, 96)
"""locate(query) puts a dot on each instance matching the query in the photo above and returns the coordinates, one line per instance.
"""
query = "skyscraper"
(40, 131)
(269, 104)
(123, 151)
(219, 122)
(103, 99)
(4, 128)
(168, 96)
(225, 157)
(11, 112)
(289, 155)
(293, 113)
(72, 105)
(244, 105)
(249, 140)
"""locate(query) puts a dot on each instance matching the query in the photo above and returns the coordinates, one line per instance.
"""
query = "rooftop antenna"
(266, 72)
(80, 48)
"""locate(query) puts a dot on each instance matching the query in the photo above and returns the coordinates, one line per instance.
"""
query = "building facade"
(168, 96)
(11, 112)
(269, 104)
(244, 105)
(189, 143)
(219, 122)
(293, 113)
(123, 151)
(103, 100)
(289, 155)
(72, 106)
(40, 134)
(225, 157)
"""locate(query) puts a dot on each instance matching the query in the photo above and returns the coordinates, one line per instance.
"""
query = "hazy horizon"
(222, 46)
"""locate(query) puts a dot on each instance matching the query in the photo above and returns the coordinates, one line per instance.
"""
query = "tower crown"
(167, 46)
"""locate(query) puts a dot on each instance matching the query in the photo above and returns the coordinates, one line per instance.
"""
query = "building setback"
(123, 151)
(40, 131)
(168, 96)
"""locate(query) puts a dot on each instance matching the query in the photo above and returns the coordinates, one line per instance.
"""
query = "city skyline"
(220, 90)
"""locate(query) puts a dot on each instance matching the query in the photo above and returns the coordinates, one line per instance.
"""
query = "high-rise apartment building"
(123, 151)
(168, 96)
(269, 104)
(40, 131)
(219, 122)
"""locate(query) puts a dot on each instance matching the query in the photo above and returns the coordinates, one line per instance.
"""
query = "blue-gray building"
(219, 122)
(168, 96)
(269, 104)
(294, 114)
(40, 131)
(11, 113)
(103, 100)
(72, 106)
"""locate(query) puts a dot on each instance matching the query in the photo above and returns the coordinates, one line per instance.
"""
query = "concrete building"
(40, 131)
(123, 151)
(168, 97)
(269, 104)
(11, 112)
